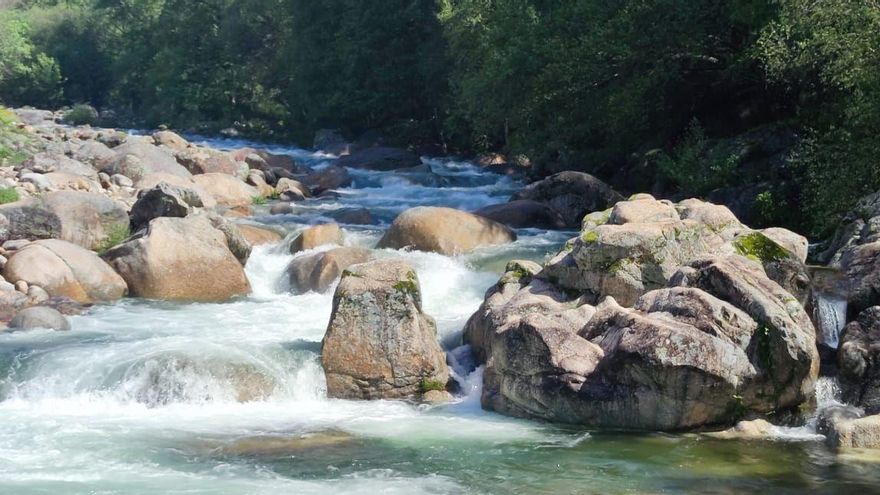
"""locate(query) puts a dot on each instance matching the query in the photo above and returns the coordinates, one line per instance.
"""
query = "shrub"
(81, 115)
(426, 386)
(694, 167)
(258, 200)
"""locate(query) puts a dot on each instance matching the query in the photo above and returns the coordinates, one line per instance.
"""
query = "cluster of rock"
(153, 206)
(692, 324)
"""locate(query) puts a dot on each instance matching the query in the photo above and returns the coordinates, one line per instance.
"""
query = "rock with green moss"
(82, 218)
(638, 244)
(721, 343)
(380, 344)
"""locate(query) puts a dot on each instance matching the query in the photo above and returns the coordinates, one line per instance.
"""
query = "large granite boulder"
(725, 342)
(180, 259)
(327, 179)
(258, 236)
(572, 194)
(138, 157)
(65, 269)
(317, 235)
(89, 220)
(227, 189)
(444, 230)
(317, 272)
(208, 161)
(637, 245)
(379, 343)
(524, 214)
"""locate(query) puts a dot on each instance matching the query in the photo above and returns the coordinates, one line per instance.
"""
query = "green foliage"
(8, 195)
(81, 115)
(26, 74)
(426, 386)
(825, 56)
(695, 168)
(258, 200)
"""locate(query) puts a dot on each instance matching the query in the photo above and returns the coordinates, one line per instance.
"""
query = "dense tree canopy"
(573, 84)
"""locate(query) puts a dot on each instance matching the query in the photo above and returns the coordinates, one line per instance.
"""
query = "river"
(145, 397)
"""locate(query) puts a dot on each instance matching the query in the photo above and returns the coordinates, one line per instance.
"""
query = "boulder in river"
(137, 157)
(379, 343)
(82, 218)
(39, 317)
(524, 213)
(328, 178)
(180, 259)
(730, 343)
(572, 194)
(444, 230)
(65, 269)
(317, 272)
(258, 236)
(638, 244)
(380, 158)
(317, 235)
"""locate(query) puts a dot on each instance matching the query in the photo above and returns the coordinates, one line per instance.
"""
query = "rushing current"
(145, 397)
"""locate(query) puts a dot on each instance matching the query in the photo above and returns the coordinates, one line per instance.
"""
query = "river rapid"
(146, 397)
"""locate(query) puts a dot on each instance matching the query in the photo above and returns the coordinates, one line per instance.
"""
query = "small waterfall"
(830, 312)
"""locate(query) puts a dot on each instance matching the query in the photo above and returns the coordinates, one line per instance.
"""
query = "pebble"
(22, 286)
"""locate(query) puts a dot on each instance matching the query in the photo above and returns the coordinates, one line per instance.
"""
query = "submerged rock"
(39, 317)
(180, 259)
(379, 343)
(64, 269)
(444, 231)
